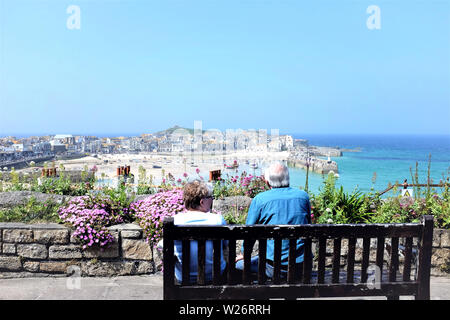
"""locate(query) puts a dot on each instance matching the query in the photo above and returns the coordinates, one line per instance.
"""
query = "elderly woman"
(280, 205)
(198, 199)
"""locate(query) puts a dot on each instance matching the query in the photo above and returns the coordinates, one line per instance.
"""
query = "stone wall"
(49, 249)
(29, 250)
(440, 259)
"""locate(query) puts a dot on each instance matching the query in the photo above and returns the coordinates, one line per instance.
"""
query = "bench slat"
(365, 259)
(380, 255)
(291, 261)
(247, 260)
(351, 260)
(231, 261)
(336, 259)
(186, 261)
(217, 247)
(262, 247)
(407, 260)
(195, 232)
(307, 261)
(321, 259)
(394, 260)
(290, 291)
(277, 260)
(201, 262)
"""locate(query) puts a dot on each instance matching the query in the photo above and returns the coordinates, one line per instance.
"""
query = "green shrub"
(334, 205)
(31, 212)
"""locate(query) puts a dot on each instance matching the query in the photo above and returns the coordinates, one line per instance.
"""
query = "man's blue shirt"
(281, 206)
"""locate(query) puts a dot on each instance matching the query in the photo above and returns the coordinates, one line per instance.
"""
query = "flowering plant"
(243, 185)
(90, 215)
(151, 212)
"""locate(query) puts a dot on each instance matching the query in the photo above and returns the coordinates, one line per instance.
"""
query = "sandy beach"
(175, 164)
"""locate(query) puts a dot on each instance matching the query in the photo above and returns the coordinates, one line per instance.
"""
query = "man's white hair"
(277, 174)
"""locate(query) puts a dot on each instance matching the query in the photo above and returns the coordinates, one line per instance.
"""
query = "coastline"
(175, 164)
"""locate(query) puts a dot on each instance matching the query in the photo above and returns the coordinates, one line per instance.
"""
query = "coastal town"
(175, 150)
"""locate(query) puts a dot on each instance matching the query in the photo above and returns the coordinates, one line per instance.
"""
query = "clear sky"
(141, 66)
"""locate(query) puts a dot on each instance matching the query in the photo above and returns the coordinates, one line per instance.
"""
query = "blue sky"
(142, 66)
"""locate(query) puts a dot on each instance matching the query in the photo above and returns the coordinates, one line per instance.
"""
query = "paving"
(147, 287)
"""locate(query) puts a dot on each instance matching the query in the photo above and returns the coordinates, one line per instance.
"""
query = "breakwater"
(317, 165)
(23, 163)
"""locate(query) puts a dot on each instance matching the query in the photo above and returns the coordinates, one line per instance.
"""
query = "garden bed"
(90, 217)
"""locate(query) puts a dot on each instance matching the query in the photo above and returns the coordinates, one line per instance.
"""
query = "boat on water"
(254, 165)
(235, 165)
(156, 166)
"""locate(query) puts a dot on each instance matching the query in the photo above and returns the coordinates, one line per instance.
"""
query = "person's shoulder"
(215, 218)
(180, 217)
(263, 195)
(299, 193)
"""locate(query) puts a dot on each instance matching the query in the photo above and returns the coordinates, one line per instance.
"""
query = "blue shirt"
(202, 218)
(281, 206)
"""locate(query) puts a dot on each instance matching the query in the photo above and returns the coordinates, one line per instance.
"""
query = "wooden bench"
(335, 281)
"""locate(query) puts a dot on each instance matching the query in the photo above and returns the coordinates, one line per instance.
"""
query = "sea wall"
(315, 165)
(36, 250)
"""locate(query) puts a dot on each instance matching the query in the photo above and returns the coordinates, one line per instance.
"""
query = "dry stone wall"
(28, 250)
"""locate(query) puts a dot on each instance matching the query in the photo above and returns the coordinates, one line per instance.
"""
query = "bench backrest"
(315, 282)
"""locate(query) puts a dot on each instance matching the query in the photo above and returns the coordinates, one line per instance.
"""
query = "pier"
(316, 165)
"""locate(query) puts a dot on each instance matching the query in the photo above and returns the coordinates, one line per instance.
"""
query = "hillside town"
(20, 152)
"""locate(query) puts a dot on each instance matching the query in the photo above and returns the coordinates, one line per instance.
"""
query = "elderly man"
(280, 205)
(198, 199)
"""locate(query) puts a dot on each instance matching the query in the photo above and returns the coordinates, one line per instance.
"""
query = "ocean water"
(389, 156)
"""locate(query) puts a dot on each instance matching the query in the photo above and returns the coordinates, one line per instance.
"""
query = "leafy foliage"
(32, 212)
(334, 205)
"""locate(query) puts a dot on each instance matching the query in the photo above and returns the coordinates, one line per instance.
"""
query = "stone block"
(18, 235)
(440, 256)
(53, 267)
(72, 239)
(8, 248)
(60, 236)
(112, 251)
(32, 251)
(65, 252)
(145, 267)
(31, 266)
(436, 238)
(107, 269)
(125, 227)
(131, 234)
(10, 263)
(157, 258)
(136, 249)
(445, 239)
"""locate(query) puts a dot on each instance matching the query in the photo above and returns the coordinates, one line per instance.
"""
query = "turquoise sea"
(389, 156)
